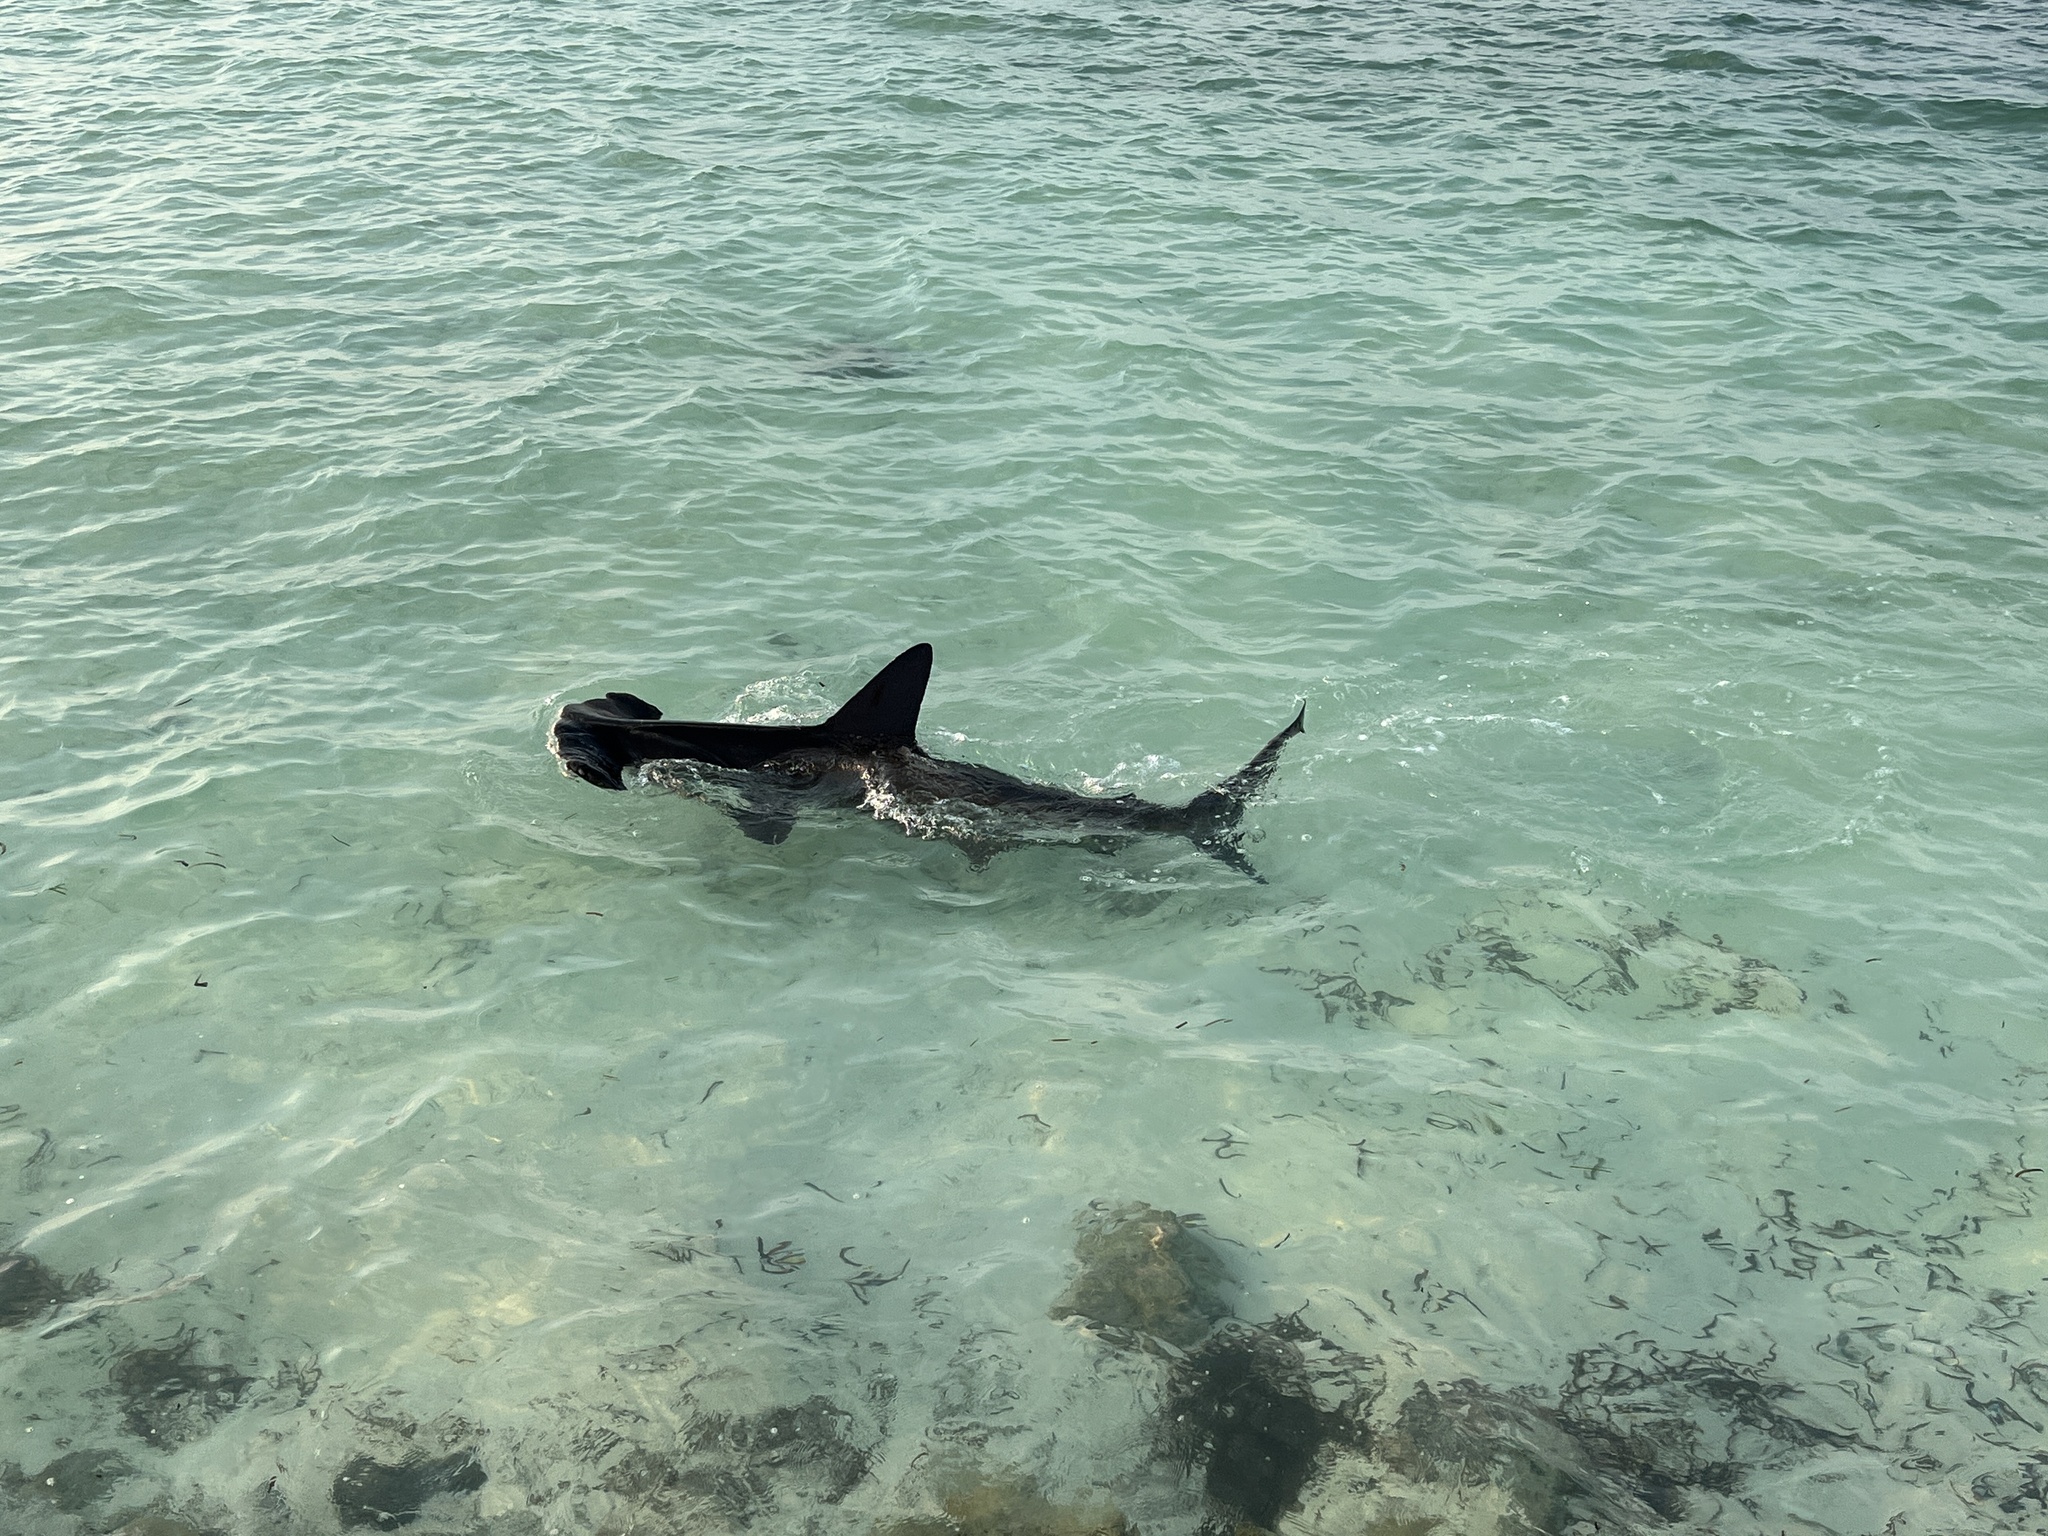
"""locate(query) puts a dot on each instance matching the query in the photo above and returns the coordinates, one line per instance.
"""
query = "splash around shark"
(866, 757)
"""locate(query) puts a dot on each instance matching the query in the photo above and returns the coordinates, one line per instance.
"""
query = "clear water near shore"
(1625, 428)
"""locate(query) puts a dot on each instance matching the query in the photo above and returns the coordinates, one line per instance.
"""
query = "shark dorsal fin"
(884, 712)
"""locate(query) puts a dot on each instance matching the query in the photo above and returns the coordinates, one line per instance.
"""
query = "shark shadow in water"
(866, 757)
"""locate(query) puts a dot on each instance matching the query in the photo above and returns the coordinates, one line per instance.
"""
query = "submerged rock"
(1360, 1496)
(1145, 1273)
(74, 1482)
(1009, 1508)
(162, 1525)
(29, 1288)
(168, 1398)
(385, 1496)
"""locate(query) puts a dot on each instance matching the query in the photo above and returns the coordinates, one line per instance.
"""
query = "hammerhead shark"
(866, 757)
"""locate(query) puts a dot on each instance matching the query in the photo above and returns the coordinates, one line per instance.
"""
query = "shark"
(866, 757)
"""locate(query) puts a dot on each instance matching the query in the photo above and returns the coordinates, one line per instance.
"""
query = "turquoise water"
(1623, 426)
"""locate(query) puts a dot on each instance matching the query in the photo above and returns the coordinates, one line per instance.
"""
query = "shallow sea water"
(1623, 426)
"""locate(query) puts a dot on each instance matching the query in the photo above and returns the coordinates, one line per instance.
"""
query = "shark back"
(601, 740)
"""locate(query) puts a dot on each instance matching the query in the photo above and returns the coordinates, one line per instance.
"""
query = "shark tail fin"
(884, 712)
(1214, 814)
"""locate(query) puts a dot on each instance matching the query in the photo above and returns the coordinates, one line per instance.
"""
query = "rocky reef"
(169, 1396)
(29, 1288)
(1008, 1506)
(1245, 1410)
(74, 1482)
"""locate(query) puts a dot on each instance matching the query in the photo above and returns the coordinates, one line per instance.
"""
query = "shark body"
(866, 757)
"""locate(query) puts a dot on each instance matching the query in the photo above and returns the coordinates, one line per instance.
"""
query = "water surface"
(1624, 426)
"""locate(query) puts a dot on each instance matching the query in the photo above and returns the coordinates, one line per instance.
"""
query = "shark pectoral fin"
(764, 826)
(979, 850)
(1227, 851)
